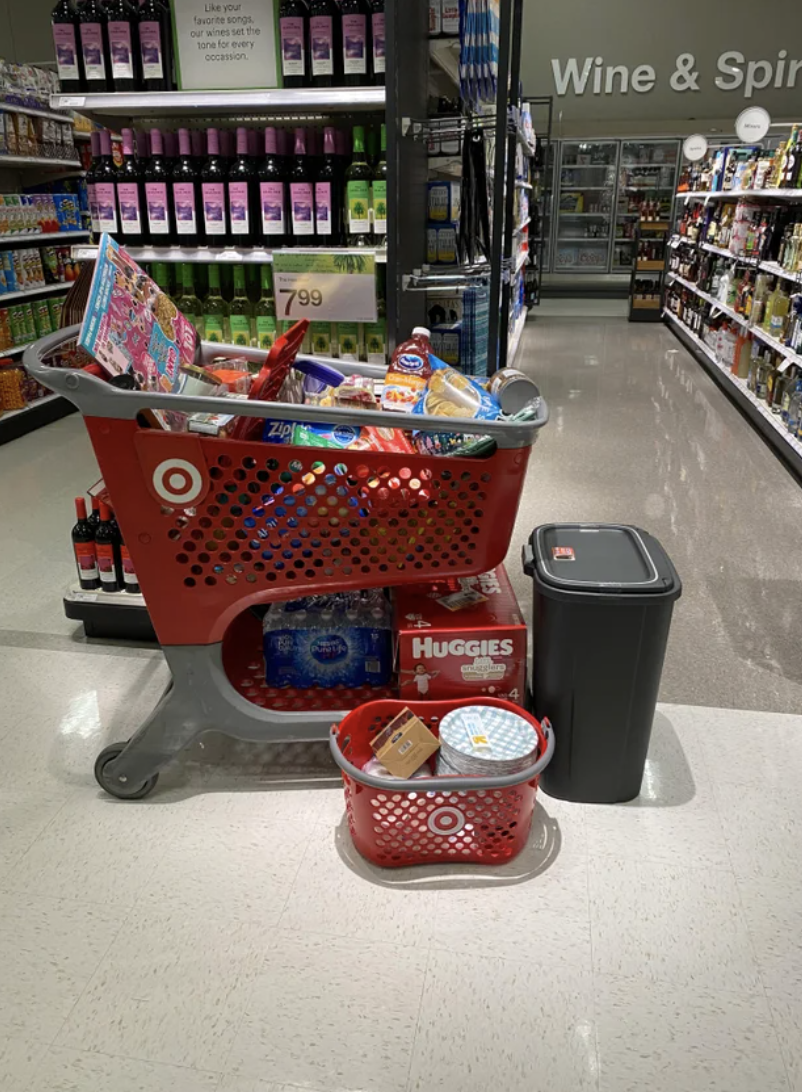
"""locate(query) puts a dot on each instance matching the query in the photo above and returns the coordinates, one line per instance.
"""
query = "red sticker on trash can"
(563, 553)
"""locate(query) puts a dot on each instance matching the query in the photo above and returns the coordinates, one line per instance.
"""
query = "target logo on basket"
(478, 648)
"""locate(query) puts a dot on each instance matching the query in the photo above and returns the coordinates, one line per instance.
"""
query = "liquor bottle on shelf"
(83, 546)
(266, 311)
(356, 42)
(379, 194)
(123, 33)
(273, 194)
(215, 310)
(378, 40)
(329, 196)
(243, 195)
(91, 192)
(294, 34)
(213, 193)
(69, 62)
(302, 198)
(107, 544)
(187, 302)
(94, 515)
(155, 45)
(241, 316)
(131, 195)
(93, 26)
(157, 200)
(789, 163)
(106, 187)
(186, 194)
(325, 43)
(358, 178)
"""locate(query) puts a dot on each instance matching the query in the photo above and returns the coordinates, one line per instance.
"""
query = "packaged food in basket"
(408, 373)
(449, 393)
(404, 744)
(461, 638)
(351, 438)
(130, 325)
(330, 640)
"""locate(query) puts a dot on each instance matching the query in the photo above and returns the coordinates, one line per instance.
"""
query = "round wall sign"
(752, 124)
(694, 147)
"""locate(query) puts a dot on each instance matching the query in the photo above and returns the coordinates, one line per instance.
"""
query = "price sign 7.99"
(335, 287)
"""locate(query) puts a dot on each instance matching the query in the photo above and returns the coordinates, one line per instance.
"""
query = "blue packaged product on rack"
(343, 639)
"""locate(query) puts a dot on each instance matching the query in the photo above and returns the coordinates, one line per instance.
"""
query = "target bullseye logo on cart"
(178, 482)
(446, 821)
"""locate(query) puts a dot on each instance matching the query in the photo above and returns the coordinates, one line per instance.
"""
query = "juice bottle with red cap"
(408, 373)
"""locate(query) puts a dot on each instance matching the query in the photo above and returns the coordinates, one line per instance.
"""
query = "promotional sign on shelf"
(224, 46)
(752, 124)
(335, 287)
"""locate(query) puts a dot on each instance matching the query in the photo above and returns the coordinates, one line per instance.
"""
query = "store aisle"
(223, 935)
(640, 434)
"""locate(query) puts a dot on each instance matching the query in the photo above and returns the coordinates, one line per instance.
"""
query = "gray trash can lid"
(605, 558)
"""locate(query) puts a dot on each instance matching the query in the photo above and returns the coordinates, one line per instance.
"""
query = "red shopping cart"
(215, 526)
(483, 820)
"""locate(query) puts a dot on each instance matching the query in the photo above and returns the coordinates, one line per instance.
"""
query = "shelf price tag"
(339, 286)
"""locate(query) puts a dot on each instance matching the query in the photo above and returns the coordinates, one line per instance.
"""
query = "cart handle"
(445, 784)
(96, 398)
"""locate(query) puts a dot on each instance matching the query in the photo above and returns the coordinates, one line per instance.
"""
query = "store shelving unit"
(650, 270)
(225, 256)
(16, 423)
(308, 101)
(12, 161)
(647, 172)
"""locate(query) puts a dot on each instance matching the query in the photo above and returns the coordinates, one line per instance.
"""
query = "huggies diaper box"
(460, 639)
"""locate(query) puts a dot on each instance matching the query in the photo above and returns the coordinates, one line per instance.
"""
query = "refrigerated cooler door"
(647, 176)
(585, 206)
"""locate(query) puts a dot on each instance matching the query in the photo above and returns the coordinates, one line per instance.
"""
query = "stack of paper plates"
(484, 741)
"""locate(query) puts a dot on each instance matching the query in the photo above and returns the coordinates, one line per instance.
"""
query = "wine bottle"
(106, 188)
(91, 192)
(157, 177)
(64, 20)
(130, 579)
(240, 312)
(379, 194)
(213, 193)
(266, 312)
(131, 195)
(188, 303)
(122, 29)
(325, 46)
(377, 38)
(106, 545)
(83, 546)
(329, 196)
(243, 195)
(294, 33)
(273, 194)
(186, 194)
(356, 42)
(155, 50)
(215, 310)
(302, 198)
(93, 25)
(358, 179)
(94, 515)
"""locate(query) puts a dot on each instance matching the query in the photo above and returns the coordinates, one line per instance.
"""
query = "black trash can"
(603, 599)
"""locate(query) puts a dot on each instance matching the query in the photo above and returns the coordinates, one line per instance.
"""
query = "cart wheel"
(114, 787)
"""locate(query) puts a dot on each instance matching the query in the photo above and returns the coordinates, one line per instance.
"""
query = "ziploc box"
(461, 639)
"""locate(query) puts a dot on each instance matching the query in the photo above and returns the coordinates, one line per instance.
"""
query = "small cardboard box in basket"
(405, 744)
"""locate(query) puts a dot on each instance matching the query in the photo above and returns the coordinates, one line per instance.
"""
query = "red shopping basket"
(440, 819)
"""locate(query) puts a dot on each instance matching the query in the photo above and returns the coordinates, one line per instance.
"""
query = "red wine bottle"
(186, 194)
(106, 540)
(83, 545)
(130, 579)
(302, 195)
(325, 44)
(131, 195)
(94, 515)
(106, 187)
(243, 195)
(157, 177)
(377, 37)
(91, 193)
(93, 25)
(155, 50)
(213, 193)
(356, 42)
(122, 30)
(64, 20)
(273, 194)
(294, 31)
(329, 196)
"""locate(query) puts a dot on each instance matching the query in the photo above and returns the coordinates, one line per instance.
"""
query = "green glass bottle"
(161, 276)
(358, 178)
(215, 310)
(266, 332)
(241, 317)
(379, 194)
(188, 303)
(375, 333)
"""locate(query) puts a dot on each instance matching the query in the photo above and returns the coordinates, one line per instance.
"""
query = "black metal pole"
(496, 251)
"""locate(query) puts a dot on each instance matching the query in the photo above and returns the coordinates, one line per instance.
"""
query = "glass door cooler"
(647, 178)
(585, 206)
